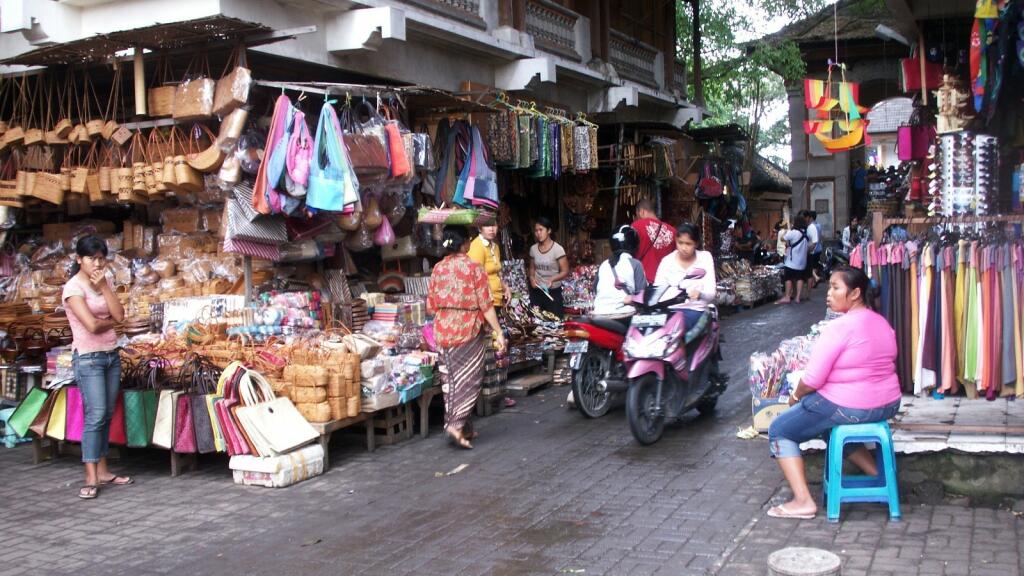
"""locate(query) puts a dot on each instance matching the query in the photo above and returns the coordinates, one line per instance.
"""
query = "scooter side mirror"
(696, 274)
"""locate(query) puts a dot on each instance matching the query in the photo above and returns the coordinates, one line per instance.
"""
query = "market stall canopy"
(723, 133)
(765, 175)
(176, 35)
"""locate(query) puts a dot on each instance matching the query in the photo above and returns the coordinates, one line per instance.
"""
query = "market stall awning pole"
(140, 82)
(618, 174)
(248, 279)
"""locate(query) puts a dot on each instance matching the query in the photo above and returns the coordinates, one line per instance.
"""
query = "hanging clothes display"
(956, 307)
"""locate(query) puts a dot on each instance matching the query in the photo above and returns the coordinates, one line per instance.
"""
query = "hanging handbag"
(118, 434)
(272, 424)
(403, 247)
(232, 90)
(332, 184)
(139, 416)
(384, 236)
(163, 427)
(366, 151)
(299, 156)
(264, 196)
(56, 428)
(38, 425)
(227, 386)
(264, 229)
(27, 410)
(75, 422)
(710, 186)
(184, 434)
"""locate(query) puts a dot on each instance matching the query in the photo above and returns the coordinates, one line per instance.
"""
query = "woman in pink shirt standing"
(850, 379)
(93, 309)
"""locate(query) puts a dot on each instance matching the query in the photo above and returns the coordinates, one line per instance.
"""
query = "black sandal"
(88, 492)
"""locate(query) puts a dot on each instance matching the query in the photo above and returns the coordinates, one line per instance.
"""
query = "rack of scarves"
(957, 307)
(542, 145)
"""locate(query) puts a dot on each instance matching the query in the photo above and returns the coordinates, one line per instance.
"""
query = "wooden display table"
(325, 429)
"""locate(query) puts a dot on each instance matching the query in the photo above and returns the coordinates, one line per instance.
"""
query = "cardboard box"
(186, 245)
(211, 221)
(185, 220)
(65, 230)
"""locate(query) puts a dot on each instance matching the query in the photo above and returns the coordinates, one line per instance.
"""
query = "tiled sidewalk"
(544, 492)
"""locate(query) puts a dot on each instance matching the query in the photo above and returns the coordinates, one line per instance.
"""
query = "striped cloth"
(465, 365)
(255, 249)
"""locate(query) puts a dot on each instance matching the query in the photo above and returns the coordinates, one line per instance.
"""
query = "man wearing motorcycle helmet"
(621, 276)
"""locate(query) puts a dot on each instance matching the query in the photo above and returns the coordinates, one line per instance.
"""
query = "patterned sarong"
(465, 365)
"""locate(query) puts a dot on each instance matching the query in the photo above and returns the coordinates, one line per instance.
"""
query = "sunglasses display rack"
(964, 174)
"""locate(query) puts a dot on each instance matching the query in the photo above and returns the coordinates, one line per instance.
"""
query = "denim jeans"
(813, 417)
(99, 378)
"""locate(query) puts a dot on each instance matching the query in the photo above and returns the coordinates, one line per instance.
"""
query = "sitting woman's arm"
(823, 357)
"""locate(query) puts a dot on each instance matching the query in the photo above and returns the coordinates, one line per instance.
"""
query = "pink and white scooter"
(670, 369)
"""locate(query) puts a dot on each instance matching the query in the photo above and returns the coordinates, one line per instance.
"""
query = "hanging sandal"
(118, 481)
(88, 492)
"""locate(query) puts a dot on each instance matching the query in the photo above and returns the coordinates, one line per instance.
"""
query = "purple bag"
(184, 433)
(75, 423)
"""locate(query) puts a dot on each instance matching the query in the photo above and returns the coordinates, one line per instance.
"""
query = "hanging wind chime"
(833, 107)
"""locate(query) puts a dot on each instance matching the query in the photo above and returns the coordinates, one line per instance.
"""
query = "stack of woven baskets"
(307, 388)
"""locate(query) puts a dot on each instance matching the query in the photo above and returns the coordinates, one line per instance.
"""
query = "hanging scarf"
(264, 196)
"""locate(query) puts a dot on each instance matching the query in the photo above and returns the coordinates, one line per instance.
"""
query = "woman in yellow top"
(484, 250)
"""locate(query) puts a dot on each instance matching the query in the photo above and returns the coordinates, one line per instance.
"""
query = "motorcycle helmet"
(625, 239)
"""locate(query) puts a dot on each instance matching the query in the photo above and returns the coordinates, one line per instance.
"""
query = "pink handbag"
(75, 415)
(299, 153)
(385, 235)
(184, 433)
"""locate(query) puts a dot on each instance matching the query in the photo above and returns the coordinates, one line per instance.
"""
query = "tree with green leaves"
(740, 81)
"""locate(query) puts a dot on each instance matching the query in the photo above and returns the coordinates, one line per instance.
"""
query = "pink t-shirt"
(853, 363)
(84, 341)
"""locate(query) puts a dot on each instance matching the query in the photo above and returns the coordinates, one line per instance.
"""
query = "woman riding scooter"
(621, 276)
(596, 341)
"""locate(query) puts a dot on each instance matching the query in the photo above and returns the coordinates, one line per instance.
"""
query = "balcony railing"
(679, 78)
(553, 28)
(632, 59)
(466, 11)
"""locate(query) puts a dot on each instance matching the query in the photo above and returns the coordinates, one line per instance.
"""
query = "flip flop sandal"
(88, 492)
(119, 481)
(781, 512)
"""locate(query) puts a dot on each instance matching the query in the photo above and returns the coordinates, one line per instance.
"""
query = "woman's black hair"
(453, 238)
(623, 240)
(546, 222)
(856, 278)
(691, 230)
(90, 246)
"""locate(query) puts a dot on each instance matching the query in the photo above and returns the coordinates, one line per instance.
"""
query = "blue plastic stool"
(881, 488)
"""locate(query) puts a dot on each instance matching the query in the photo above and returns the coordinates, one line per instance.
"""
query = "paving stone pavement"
(544, 492)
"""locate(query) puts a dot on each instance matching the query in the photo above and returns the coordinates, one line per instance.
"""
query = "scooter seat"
(616, 324)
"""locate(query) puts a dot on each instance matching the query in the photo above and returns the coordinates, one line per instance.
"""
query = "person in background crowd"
(657, 238)
(548, 267)
(93, 309)
(461, 301)
(849, 379)
(685, 259)
(484, 250)
(814, 248)
(621, 276)
(781, 227)
(853, 234)
(795, 262)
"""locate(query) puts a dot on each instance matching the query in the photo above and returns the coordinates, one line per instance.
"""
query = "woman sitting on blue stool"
(849, 379)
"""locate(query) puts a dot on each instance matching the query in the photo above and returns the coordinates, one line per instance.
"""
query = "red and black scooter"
(596, 360)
